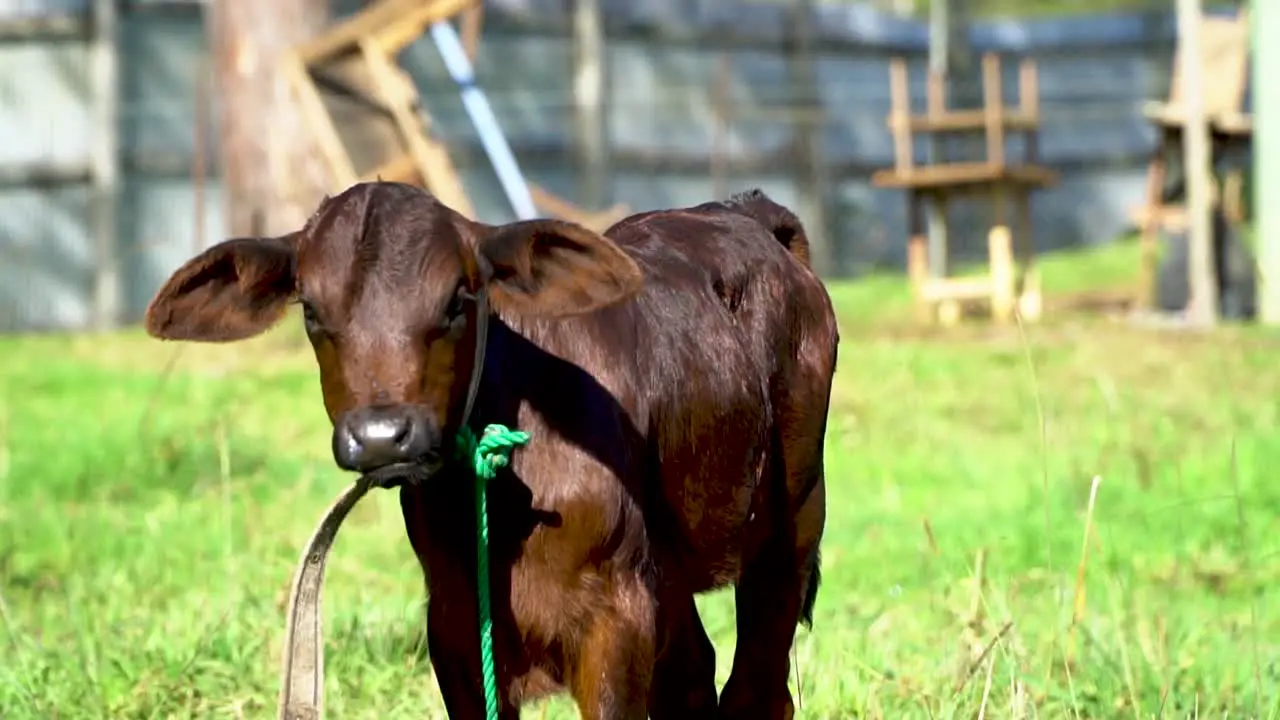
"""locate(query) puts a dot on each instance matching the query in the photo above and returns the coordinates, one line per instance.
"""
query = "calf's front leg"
(454, 647)
(613, 666)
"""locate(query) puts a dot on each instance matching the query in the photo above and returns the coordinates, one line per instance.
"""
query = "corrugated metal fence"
(1095, 74)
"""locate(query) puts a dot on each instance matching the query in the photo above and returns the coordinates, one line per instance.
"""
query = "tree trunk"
(272, 174)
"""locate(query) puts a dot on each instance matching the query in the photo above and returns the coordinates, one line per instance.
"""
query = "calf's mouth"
(400, 473)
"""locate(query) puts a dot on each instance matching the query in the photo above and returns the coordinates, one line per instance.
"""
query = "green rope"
(491, 452)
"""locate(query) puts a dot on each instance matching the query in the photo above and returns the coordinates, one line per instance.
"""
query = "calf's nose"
(369, 438)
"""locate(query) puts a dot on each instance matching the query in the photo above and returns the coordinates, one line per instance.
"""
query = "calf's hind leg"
(612, 668)
(684, 675)
(775, 590)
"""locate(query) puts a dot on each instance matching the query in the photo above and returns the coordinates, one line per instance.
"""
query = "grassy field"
(153, 499)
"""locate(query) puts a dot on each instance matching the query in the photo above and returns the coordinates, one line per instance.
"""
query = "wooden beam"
(401, 16)
(404, 30)
(345, 36)
(557, 206)
(45, 27)
(402, 168)
(342, 172)
(329, 82)
(956, 121)
(472, 27)
(1203, 303)
(438, 172)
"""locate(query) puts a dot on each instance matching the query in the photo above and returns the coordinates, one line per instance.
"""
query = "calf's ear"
(553, 268)
(234, 290)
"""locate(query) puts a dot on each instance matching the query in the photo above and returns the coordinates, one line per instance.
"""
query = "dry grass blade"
(1079, 597)
(1071, 688)
(977, 663)
(929, 537)
(986, 689)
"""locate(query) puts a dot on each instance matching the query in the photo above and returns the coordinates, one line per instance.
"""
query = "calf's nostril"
(403, 431)
(347, 448)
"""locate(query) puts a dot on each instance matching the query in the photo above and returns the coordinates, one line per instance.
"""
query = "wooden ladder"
(365, 113)
(363, 109)
(1005, 182)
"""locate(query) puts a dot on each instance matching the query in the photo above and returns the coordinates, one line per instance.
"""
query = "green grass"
(150, 520)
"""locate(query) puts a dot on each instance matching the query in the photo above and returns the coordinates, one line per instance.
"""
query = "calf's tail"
(811, 588)
(780, 221)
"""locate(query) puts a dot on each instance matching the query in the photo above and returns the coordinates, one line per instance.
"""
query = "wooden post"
(1024, 239)
(1265, 21)
(807, 124)
(199, 173)
(105, 165)
(270, 164)
(951, 68)
(1202, 306)
(993, 109)
(940, 35)
(917, 256)
(589, 103)
(1000, 256)
(1149, 227)
(721, 109)
(900, 109)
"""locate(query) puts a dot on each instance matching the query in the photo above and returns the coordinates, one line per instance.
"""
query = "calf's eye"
(310, 320)
(455, 312)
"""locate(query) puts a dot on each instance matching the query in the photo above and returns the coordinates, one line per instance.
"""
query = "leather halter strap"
(302, 677)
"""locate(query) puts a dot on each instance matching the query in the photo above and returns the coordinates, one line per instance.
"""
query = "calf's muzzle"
(374, 437)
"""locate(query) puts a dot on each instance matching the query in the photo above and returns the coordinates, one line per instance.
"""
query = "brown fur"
(674, 374)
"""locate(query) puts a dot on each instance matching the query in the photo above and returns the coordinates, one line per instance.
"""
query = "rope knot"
(492, 451)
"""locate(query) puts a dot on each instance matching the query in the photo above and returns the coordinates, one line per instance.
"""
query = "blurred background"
(110, 177)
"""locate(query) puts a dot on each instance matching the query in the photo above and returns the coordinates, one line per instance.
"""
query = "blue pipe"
(482, 117)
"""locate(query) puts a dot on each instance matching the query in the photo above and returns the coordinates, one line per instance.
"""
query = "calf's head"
(387, 279)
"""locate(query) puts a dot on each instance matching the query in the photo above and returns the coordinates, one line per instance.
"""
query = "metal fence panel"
(1095, 72)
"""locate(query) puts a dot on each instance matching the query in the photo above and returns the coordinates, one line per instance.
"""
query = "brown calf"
(674, 374)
